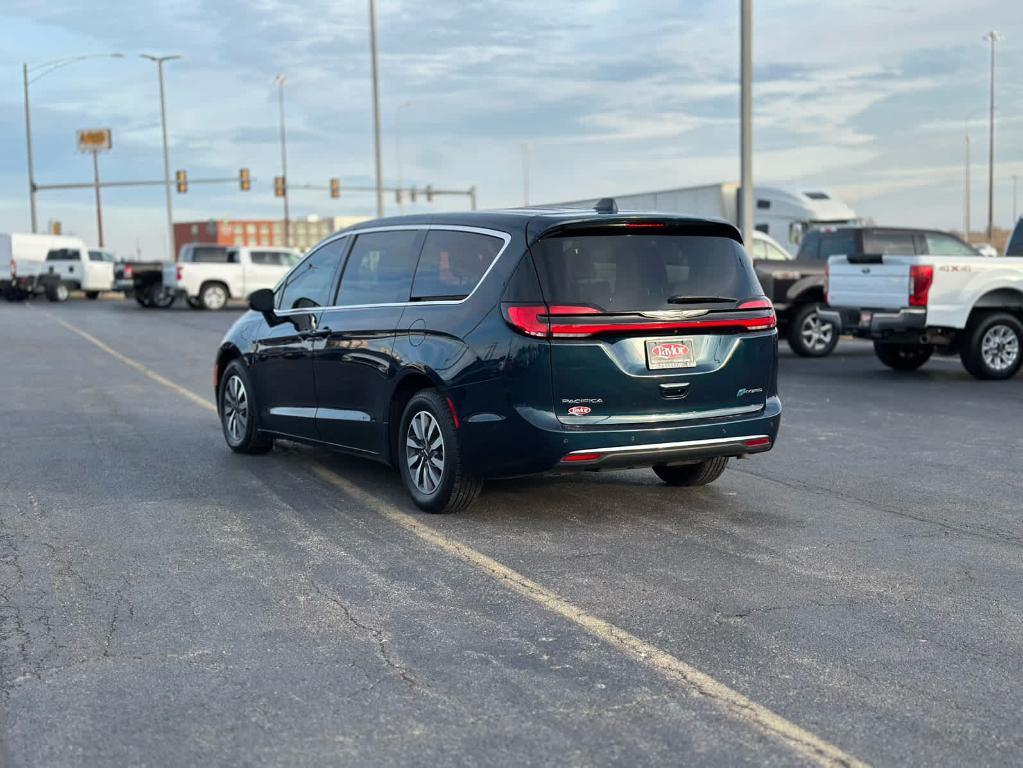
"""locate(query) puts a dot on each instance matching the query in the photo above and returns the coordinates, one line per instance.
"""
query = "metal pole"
(28, 146)
(966, 189)
(99, 203)
(171, 255)
(376, 106)
(993, 37)
(472, 198)
(746, 122)
(1015, 197)
(284, 159)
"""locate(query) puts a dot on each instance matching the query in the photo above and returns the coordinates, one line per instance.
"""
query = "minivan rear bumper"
(528, 441)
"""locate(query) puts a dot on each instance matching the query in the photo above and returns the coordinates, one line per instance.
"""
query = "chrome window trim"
(505, 236)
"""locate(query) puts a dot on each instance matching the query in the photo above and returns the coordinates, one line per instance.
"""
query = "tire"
(194, 303)
(159, 297)
(213, 296)
(239, 412)
(13, 294)
(703, 473)
(903, 357)
(58, 292)
(143, 300)
(993, 348)
(92, 295)
(449, 488)
(809, 336)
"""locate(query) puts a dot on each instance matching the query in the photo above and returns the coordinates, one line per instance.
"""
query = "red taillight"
(179, 273)
(14, 268)
(557, 321)
(756, 442)
(582, 457)
(644, 224)
(920, 278)
(128, 272)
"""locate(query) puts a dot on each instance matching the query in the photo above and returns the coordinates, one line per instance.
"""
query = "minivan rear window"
(619, 272)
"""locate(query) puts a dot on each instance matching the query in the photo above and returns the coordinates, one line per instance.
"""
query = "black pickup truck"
(143, 281)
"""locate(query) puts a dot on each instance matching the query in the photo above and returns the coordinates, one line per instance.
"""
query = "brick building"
(304, 234)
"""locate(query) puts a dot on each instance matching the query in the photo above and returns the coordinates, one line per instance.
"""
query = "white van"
(31, 264)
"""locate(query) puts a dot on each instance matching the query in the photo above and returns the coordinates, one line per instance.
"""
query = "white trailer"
(783, 214)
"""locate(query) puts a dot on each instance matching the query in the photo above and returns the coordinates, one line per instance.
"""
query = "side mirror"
(262, 301)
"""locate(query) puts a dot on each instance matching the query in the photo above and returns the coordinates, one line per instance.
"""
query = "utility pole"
(99, 202)
(746, 122)
(376, 106)
(279, 82)
(1015, 197)
(966, 188)
(993, 37)
(525, 174)
(171, 255)
(28, 145)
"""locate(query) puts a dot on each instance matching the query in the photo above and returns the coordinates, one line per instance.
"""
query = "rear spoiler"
(865, 258)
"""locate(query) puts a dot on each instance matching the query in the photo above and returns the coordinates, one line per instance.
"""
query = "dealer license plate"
(669, 353)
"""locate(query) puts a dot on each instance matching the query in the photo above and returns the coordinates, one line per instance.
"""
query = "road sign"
(93, 139)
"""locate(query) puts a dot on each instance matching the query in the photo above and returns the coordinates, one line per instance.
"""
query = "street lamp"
(42, 70)
(993, 37)
(166, 160)
(279, 81)
(376, 105)
(746, 122)
(397, 149)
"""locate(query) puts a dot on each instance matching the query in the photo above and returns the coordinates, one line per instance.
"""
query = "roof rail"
(606, 205)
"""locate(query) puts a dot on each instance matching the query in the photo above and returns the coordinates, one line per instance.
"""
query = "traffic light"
(278, 186)
(429, 193)
(335, 187)
(244, 181)
(397, 196)
(412, 194)
(182, 179)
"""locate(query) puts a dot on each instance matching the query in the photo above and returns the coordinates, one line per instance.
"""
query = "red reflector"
(756, 442)
(454, 413)
(216, 375)
(920, 278)
(582, 457)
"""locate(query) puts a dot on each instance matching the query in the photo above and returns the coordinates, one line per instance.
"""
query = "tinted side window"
(842, 242)
(453, 263)
(946, 245)
(268, 258)
(1015, 247)
(310, 284)
(210, 255)
(808, 249)
(379, 270)
(895, 243)
(64, 254)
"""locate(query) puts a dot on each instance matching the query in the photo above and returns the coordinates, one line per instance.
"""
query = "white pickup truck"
(914, 306)
(52, 264)
(208, 275)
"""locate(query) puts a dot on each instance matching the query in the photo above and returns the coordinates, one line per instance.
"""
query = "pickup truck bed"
(913, 306)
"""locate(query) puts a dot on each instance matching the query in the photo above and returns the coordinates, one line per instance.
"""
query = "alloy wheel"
(1000, 347)
(424, 452)
(236, 409)
(816, 333)
(214, 297)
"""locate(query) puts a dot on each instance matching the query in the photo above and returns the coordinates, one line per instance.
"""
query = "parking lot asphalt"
(164, 601)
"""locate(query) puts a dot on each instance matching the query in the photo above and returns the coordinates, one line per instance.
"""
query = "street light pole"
(1015, 197)
(171, 254)
(746, 122)
(376, 106)
(993, 37)
(966, 188)
(99, 203)
(47, 67)
(280, 80)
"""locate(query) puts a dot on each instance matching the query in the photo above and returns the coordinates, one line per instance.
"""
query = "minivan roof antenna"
(606, 205)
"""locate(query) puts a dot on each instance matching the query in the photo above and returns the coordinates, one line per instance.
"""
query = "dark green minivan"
(461, 347)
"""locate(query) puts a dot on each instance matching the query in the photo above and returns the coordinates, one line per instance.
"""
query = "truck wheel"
(993, 348)
(58, 292)
(430, 458)
(213, 296)
(903, 357)
(809, 335)
(239, 412)
(194, 303)
(13, 294)
(92, 295)
(702, 473)
(160, 297)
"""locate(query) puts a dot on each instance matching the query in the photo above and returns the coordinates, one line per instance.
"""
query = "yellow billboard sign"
(93, 140)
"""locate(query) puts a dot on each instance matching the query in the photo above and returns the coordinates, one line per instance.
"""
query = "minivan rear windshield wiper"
(701, 300)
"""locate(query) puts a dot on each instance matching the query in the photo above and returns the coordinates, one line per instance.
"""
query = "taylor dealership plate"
(669, 353)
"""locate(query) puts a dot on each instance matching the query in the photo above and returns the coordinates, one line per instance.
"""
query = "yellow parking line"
(729, 701)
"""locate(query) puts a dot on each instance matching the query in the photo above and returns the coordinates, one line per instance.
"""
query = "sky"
(869, 99)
